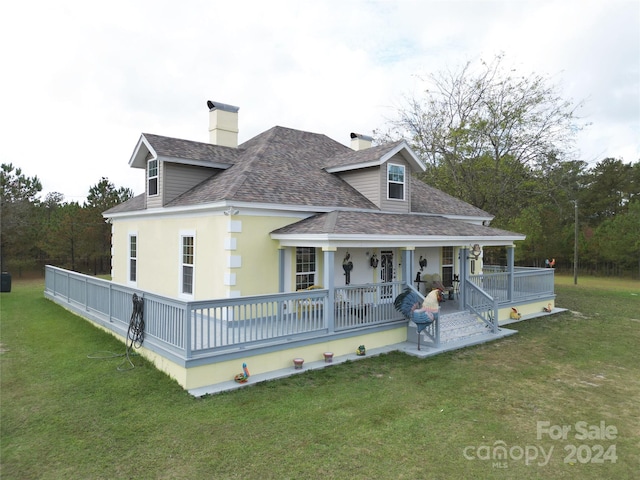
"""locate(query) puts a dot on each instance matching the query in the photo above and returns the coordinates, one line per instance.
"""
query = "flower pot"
(328, 357)
(297, 363)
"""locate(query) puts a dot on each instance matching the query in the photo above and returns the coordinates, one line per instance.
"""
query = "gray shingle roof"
(188, 149)
(378, 223)
(280, 166)
(287, 166)
(426, 199)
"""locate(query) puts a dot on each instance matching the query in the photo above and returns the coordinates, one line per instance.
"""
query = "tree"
(18, 201)
(105, 195)
(101, 197)
(65, 234)
(484, 132)
(619, 238)
(611, 185)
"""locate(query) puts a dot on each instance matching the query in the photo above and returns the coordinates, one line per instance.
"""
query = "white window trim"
(156, 176)
(403, 183)
(129, 258)
(181, 294)
(295, 266)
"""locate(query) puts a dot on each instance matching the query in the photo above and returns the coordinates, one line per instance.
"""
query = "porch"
(202, 344)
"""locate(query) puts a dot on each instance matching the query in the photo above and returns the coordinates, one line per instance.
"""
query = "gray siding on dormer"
(177, 179)
(392, 205)
(366, 182)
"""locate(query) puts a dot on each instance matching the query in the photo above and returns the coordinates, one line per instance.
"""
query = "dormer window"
(152, 176)
(395, 182)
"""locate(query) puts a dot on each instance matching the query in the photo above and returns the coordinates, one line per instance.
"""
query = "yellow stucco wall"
(212, 374)
(234, 256)
(528, 309)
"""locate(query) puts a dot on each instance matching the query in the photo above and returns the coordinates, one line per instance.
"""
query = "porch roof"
(378, 228)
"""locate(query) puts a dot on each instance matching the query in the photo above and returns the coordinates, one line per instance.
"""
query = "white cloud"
(83, 81)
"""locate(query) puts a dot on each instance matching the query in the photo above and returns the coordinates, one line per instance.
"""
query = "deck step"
(461, 326)
(454, 327)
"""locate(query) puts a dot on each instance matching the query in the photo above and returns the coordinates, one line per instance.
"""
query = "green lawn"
(67, 416)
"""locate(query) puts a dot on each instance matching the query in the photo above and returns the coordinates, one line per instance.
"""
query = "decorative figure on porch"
(515, 314)
(408, 303)
(374, 261)
(422, 263)
(361, 350)
(347, 266)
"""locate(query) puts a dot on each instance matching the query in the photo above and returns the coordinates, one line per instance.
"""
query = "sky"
(82, 80)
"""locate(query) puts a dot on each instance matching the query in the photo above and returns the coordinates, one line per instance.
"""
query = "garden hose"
(135, 332)
(135, 336)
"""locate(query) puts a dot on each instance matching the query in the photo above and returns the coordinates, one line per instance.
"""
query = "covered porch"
(202, 343)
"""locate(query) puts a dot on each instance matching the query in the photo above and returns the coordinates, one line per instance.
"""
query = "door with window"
(447, 266)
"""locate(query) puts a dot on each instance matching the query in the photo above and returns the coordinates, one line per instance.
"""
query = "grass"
(67, 416)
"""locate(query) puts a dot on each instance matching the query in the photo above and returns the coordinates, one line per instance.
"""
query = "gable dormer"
(382, 174)
(173, 166)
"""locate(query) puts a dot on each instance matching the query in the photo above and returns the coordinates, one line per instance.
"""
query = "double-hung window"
(395, 181)
(133, 258)
(187, 264)
(152, 176)
(305, 267)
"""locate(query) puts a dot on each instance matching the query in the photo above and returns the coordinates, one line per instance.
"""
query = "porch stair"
(461, 326)
(458, 329)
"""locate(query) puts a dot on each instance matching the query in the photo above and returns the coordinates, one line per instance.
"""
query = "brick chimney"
(360, 142)
(223, 124)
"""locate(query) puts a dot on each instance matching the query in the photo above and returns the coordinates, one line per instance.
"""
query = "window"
(395, 181)
(305, 267)
(133, 258)
(187, 264)
(447, 266)
(152, 177)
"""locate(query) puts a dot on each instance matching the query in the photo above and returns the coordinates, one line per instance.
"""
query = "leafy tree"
(19, 198)
(101, 197)
(611, 186)
(484, 132)
(618, 238)
(105, 195)
(64, 235)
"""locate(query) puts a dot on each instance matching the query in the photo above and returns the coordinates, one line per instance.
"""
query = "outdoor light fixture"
(231, 211)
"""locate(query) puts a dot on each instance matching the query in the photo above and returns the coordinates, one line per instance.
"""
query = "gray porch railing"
(528, 283)
(194, 329)
(483, 305)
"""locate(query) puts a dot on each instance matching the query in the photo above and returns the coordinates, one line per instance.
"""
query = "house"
(288, 246)
(222, 220)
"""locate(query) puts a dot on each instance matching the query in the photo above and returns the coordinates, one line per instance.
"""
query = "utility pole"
(575, 246)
